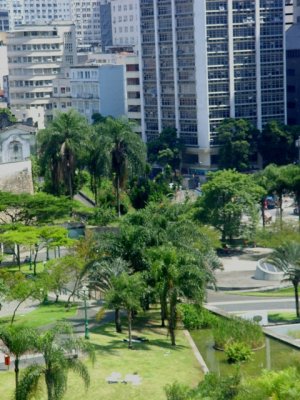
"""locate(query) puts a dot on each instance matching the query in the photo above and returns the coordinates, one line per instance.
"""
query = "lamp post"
(86, 322)
(297, 143)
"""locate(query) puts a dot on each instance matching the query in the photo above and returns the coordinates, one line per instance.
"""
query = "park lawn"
(282, 317)
(284, 292)
(25, 268)
(43, 315)
(156, 362)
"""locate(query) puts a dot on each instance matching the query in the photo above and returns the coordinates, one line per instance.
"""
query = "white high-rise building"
(203, 61)
(37, 55)
(86, 16)
(125, 22)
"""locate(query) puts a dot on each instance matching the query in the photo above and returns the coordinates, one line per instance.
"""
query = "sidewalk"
(238, 271)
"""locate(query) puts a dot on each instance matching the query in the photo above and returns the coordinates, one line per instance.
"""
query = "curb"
(196, 352)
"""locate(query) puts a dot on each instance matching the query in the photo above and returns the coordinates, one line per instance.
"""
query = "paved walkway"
(77, 321)
(239, 269)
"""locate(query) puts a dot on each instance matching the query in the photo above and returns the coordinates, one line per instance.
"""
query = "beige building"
(37, 56)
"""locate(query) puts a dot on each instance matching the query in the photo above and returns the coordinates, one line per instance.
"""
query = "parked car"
(296, 211)
(270, 202)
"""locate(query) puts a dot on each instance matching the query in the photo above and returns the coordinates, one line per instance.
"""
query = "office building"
(125, 22)
(203, 61)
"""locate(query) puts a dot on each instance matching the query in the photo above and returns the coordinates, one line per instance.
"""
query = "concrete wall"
(16, 177)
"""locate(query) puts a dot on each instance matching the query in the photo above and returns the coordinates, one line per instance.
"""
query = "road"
(236, 303)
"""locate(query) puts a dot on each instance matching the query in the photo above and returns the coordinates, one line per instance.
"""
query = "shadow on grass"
(280, 318)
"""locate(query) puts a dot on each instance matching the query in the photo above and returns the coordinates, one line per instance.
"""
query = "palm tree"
(97, 160)
(287, 259)
(178, 275)
(60, 146)
(101, 275)
(128, 152)
(57, 346)
(126, 292)
(17, 341)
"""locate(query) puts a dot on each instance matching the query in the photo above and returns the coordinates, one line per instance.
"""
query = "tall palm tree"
(57, 346)
(97, 160)
(287, 259)
(17, 341)
(128, 152)
(60, 146)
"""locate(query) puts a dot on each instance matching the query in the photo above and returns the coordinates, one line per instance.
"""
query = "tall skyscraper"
(203, 61)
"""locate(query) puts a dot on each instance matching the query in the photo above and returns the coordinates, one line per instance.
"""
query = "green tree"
(59, 359)
(127, 152)
(27, 209)
(7, 118)
(101, 275)
(275, 181)
(166, 149)
(178, 276)
(287, 259)
(238, 143)
(227, 197)
(277, 144)
(126, 292)
(60, 148)
(21, 289)
(17, 341)
(292, 174)
(97, 160)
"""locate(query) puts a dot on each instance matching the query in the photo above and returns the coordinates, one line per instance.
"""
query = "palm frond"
(30, 382)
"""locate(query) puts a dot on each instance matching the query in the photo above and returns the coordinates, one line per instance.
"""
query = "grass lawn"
(45, 314)
(156, 362)
(285, 292)
(287, 317)
(25, 268)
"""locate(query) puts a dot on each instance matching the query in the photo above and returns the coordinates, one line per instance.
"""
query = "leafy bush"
(103, 216)
(213, 387)
(230, 330)
(195, 317)
(237, 352)
(279, 385)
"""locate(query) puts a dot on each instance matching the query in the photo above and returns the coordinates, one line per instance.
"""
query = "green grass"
(156, 362)
(25, 268)
(282, 317)
(44, 315)
(285, 292)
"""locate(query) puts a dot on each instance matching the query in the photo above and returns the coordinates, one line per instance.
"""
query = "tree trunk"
(263, 215)
(17, 372)
(16, 309)
(163, 308)
(49, 384)
(56, 297)
(118, 321)
(129, 316)
(118, 196)
(280, 209)
(34, 262)
(70, 182)
(18, 257)
(172, 317)
(295, 284)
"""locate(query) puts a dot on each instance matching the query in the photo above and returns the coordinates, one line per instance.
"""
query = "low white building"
(98, 89)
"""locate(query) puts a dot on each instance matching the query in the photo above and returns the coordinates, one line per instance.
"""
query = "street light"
(86, 322)
(297, 143)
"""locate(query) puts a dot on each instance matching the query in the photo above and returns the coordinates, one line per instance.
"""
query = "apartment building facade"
(125, 22)
(37, 55)
(203, 61)
(98, 89)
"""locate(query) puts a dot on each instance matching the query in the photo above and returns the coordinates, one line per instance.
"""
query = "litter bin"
(7, 361)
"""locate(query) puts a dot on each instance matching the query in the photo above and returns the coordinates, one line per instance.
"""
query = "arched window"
(15, 151)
